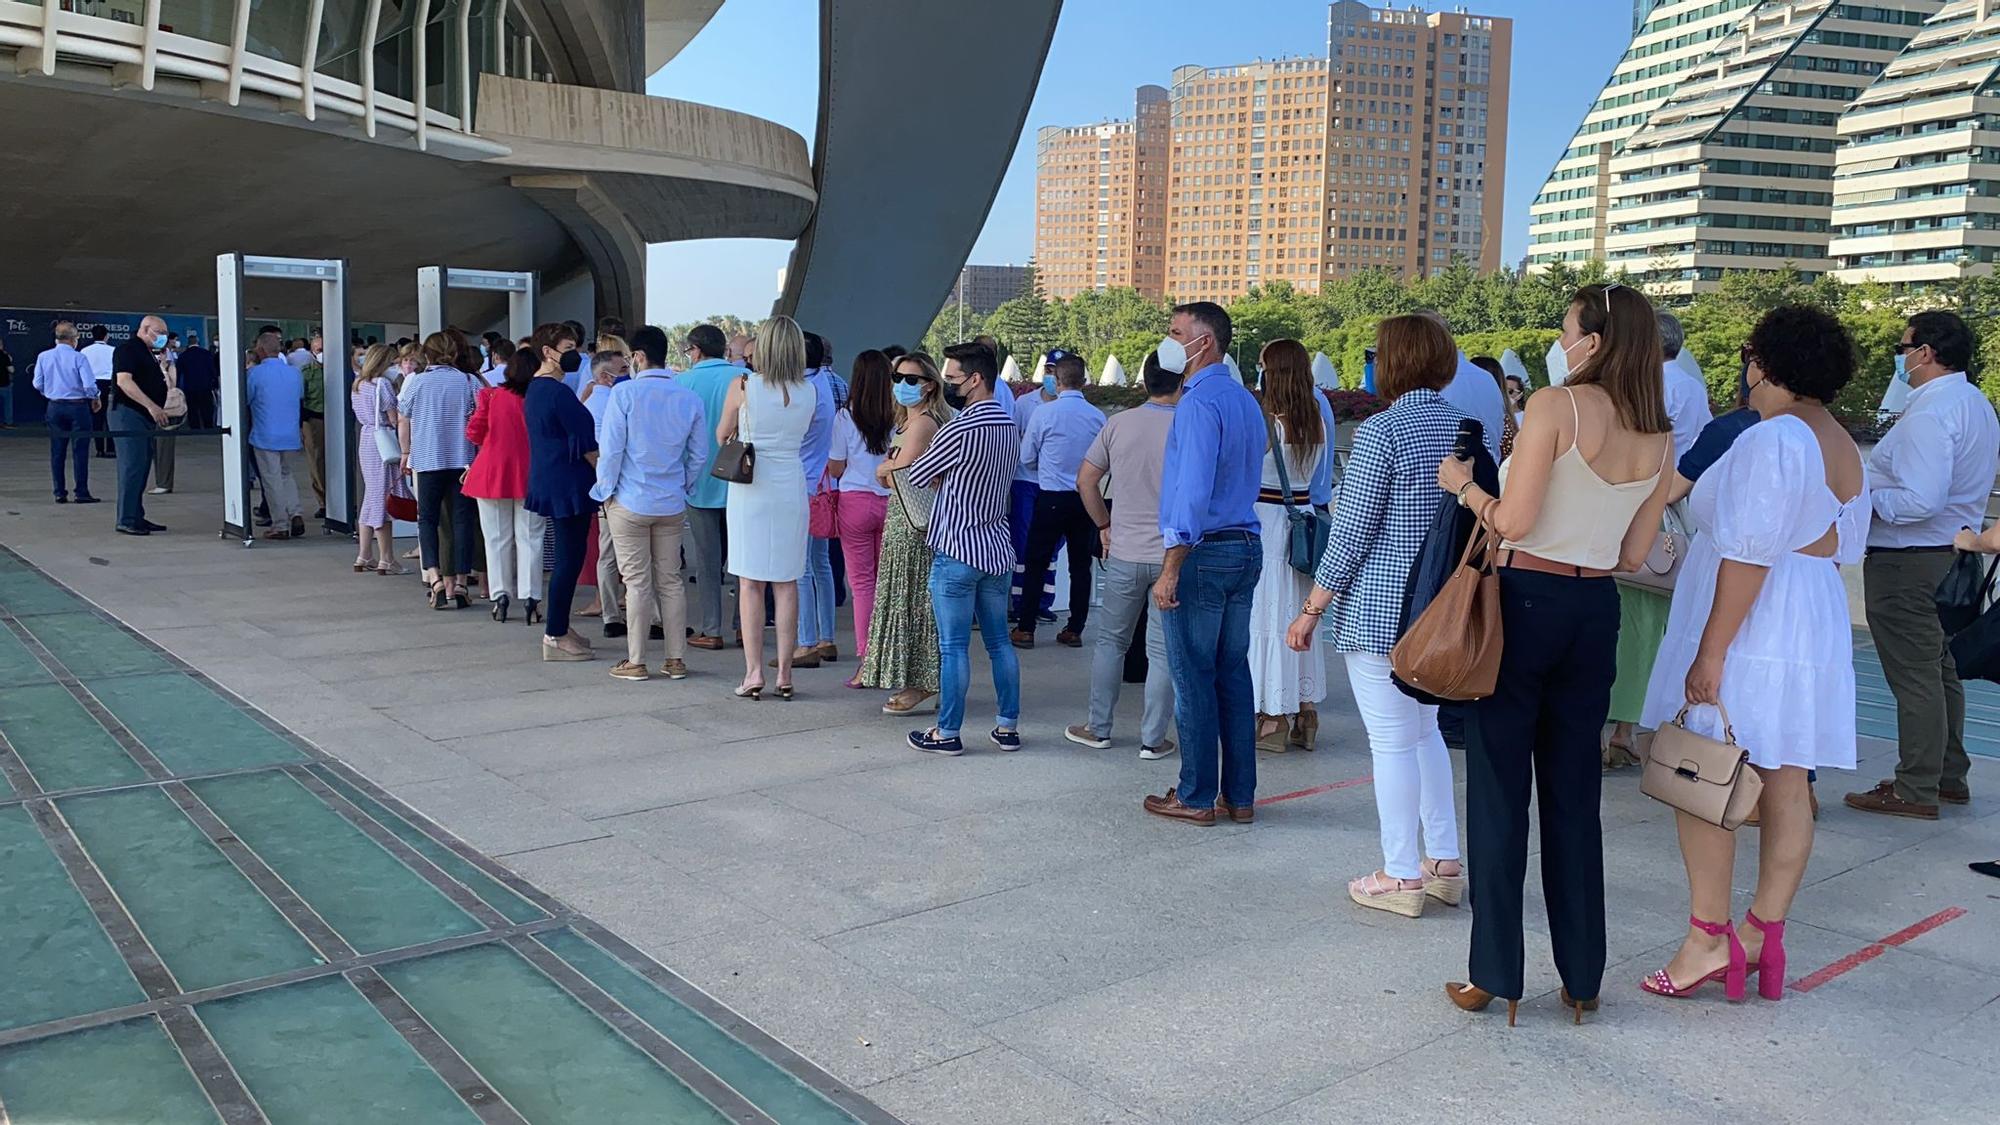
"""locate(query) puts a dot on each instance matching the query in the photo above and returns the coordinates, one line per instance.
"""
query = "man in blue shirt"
(708, 375)
(652, 446)
(64, 377)
(817, 593)
(1209, 525)
(1053, 445)
(276, 389)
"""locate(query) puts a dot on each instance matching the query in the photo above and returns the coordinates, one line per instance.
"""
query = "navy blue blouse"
(560, 432)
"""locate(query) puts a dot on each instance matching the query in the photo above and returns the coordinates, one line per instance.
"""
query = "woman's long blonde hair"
(375, 362)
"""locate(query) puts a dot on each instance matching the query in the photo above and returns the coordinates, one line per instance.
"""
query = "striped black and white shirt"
(971, 463)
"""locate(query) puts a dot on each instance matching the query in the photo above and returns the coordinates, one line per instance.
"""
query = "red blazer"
(500, 429)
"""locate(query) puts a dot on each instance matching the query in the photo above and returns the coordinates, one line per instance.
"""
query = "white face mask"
(1559, 362)
(1173, 356)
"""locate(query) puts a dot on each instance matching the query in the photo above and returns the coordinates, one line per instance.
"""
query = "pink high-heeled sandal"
(1731, 975)
(1770, 966)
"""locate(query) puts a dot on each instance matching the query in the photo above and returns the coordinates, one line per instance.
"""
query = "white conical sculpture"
(1114, 372)
(1010, 372)
(1230, 362)
(1034, 374)
(1510, 363)
(1325, 375)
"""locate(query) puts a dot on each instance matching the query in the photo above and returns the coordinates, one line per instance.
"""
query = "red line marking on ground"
(1868, 953)
(1316, 790)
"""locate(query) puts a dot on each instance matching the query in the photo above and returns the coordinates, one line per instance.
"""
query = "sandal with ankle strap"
(1731, 975)
(1770, 963)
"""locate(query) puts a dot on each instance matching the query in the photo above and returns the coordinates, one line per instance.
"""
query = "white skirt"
(1283, 678)
(1788, 680)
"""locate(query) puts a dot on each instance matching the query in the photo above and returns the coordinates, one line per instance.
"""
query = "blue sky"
(762, 57)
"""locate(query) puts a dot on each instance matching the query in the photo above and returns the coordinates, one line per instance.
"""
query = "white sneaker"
(158, 491)
(1155, 753)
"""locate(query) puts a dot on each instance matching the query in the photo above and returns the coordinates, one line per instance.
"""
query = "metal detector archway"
(434, 284)
(231, 270)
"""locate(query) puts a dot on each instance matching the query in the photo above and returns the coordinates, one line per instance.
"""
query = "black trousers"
(101, 421)
(1060, 519)
(572, 542)
(1539, 731)
(440, 495)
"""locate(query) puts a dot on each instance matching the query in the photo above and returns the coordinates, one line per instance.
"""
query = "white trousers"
(1413, 791)
(513, 548)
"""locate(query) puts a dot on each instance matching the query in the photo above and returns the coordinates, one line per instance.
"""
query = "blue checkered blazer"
(1388, 495)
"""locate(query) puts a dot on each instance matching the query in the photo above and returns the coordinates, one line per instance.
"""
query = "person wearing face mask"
(138, 396)
(433, 408)
(709, 375)
(862, 431)
(562, 460)
(1053, 444)
(1211, 475)
(1760, 627)
(1025, 492)
(1930, 477)
(901, 653)
(1581, 499)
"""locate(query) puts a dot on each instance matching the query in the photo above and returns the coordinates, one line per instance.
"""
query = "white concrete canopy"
(1325, 375)
(1114, 372)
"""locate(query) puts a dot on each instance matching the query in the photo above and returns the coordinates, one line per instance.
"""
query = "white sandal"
(1377, 891)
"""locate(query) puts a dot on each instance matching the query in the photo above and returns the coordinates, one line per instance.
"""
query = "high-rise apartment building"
(1918, 169)
(1640, 9)
(985, 288)
(1417, 134)
(1568, 221)
(1100, 202)
(1735, 170)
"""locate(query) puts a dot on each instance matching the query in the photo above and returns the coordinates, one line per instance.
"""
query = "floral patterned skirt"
(902, 634)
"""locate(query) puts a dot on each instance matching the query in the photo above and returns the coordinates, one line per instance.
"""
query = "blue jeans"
(1208, 651)
(69, 429)
(958, 592)
(135, 463)
(818, 597)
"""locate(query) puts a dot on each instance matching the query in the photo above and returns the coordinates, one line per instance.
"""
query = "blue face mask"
(907, 394)
(160, 342)
(1049, 382)
(1902, 368)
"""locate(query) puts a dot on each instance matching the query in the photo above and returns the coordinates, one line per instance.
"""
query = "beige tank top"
(1584, 517)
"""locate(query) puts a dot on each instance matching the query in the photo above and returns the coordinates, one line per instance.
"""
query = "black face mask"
(954, 395)
(572, 362)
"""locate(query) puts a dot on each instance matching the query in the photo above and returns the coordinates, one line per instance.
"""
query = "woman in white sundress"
(1760, 625)
(1289, 685)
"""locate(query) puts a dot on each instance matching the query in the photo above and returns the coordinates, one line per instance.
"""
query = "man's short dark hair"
(1212, 317)
(815, 351)
(708, 340)
(99, 333)
(1070, 371)
(1159, 381)
(611, 326)
(977, 359)
(1947, 335)
(653, 342)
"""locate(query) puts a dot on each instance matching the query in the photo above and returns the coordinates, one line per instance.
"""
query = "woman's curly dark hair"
(1804, 350)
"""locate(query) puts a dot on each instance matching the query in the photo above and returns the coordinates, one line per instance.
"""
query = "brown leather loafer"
(712, 644)
(1068, 639)
(1021, 639)
(1245, 815)
(1170, 807)
(1960, 796)
(1883, 799)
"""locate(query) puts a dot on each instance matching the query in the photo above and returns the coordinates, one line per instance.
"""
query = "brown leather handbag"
(1699, 776)
(1452, 650)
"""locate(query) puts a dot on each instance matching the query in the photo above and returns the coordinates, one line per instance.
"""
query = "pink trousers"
(861, 515)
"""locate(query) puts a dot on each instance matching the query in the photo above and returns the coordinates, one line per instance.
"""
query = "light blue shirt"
(653, 445)
(1057, 438)
(1214, 462)
(1475, 393)
(709, 380)
(1322, 482)
(818, 444)
(276, 389)
(1024, 412)
(63, 375)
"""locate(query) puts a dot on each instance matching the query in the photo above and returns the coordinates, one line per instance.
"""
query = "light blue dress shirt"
(710, 380)
(818, 444)
(1215, 460)
(1321, 492)
(653, 445)
(1057, 438)
(276, 389)
(1476, 395)
(1024, 413)
(62, 374)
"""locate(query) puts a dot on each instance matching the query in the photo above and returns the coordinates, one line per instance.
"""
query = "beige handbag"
(1663, 563)
(1701, 777)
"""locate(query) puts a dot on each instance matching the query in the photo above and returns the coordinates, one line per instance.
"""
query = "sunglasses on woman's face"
(912, 380)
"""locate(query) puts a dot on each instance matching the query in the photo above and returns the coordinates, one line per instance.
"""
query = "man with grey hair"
(1475, 393)
(1687, 396)
(64, 377)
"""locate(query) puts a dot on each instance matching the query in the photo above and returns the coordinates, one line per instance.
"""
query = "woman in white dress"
(770, 411)
(1288, 684)
(1760, 626)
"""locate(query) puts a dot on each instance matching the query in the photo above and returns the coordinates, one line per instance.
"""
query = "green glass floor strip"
(367, 895)
(209, 924)
(18, 665)
(495, 894)
(25, 594)
(88, 645)
(60, 743)
(57, 962)
(780, 1095)
(548, 1055)
(357, 1067)
(190, 728)
(125, 1074)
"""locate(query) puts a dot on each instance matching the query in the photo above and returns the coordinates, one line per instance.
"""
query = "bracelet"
(1310, 611)
(1104, 527)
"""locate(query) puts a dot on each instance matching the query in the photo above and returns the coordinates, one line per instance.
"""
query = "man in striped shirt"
(971, 464)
